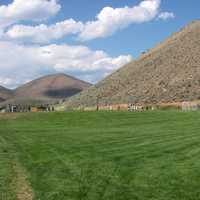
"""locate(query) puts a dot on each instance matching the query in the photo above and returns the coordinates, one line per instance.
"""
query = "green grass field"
(100, 156)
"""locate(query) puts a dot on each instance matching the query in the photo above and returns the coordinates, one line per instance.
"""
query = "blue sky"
(134, 39)
(53, 36)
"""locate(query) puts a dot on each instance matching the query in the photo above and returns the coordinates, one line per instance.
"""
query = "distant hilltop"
(170, 72)
(5, 94)
(45, 90)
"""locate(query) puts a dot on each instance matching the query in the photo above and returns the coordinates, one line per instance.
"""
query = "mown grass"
(106, 155)
(7, 173)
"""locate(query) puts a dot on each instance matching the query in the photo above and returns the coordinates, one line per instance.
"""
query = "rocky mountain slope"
(167, 73)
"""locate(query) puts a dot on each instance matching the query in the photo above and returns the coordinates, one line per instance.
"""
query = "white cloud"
(6, 81)
(27, 10)
(110, 20)
(34, 61)
(20, 63)
(166, 15)
(43, 33)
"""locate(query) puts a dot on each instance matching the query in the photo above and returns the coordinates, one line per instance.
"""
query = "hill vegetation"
(170, 72)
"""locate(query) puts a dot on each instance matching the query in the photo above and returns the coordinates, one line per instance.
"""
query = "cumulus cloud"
(166, 15)
(107, 22)
(33, 10)
(34, 61)
(6, 81)
(43, 33)
(21, 63)
(110, 20)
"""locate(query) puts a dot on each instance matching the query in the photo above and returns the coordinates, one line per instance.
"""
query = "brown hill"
(47, 89)
(5, 94)
(169, 72)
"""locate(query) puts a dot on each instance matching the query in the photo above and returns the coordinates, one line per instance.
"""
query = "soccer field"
(100, 156)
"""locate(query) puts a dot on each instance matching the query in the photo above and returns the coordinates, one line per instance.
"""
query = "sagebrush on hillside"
(169, 72)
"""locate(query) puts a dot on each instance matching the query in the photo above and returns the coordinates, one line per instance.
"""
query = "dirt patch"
(21, 185)
(15, 177)
(8, 116)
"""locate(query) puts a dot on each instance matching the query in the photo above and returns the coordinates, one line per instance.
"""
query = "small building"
(27, 108)
(190, 106)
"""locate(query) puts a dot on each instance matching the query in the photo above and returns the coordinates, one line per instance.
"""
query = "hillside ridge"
(5, 93)
(47, 89)
(167, 73)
